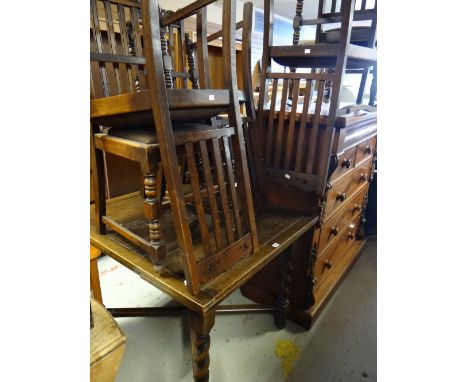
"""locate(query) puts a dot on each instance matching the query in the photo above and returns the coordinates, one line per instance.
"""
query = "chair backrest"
(117, 63)
(216, 158)
(296, 144)
(246, 94)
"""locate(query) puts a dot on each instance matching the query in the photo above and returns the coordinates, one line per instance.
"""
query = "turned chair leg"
(152, 209)
(200, 327)
(282, 302)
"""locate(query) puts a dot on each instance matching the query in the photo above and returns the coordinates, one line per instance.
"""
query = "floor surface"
(341, 346)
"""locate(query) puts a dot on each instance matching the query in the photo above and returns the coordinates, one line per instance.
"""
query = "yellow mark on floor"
(287, 351)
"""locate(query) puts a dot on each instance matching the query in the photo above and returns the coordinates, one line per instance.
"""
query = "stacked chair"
(365, 36)
(186, 138)
(314, 154)
(194, 232)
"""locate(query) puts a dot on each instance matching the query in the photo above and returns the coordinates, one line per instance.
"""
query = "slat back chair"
(246, 94)
(232, 234)
(329, 11)
(295, 144)
(224, 229)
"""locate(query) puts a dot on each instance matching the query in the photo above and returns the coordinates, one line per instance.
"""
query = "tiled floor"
(341, 346)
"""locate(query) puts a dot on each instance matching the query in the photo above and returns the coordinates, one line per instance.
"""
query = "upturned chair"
(365, 36)
(209, 231)
(295, 145)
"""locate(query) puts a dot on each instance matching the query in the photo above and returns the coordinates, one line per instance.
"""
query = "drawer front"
(327, 260)
(345, 164)
(332, 229)
(365, 150)
(340, 193)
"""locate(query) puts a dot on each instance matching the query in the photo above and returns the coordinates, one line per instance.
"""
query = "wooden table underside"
(274, 227)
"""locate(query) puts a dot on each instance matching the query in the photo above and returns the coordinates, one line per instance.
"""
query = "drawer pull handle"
(335, 230)
(357, 207)
(368, 150)
(363, 178)
(328, 264)
(351, 236)
(346, 163)
(341, 196)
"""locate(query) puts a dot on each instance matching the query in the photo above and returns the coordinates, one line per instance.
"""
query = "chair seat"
(360, 35)
(147, 134)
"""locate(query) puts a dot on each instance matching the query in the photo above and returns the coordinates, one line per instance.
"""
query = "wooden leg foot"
(200, 327)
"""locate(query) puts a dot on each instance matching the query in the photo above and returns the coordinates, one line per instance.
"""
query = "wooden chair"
(246, 98)
(364, 36)
(296, 147)
(221, 215)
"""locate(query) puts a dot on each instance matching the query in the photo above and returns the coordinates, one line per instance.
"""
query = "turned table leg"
(284, 290)
(200, 327)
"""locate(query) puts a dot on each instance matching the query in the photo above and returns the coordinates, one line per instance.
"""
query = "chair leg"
(97, 166)
(200, 327)
(152, 209)
(373, 89)
(362, 86)
(94, 274)
(285, 285)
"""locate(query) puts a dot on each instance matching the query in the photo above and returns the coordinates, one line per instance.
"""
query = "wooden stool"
(94, 273)
(107, 345)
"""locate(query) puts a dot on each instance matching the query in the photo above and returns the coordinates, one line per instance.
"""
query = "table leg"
(200, 327)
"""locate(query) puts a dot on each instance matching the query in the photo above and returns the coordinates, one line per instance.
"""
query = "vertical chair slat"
(112, 44)
(125, 42)
(333, 7)
(232, 186)
(202, 49)
(271, 120)
(279, 131)
(315, 127)
(194, 180)
(138, 43)
(182, 49)
(305, 112)
(222, 189)
(292, 124)
(98, 39)
(211, 194)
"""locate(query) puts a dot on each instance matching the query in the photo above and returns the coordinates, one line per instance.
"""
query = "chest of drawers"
(325, 255)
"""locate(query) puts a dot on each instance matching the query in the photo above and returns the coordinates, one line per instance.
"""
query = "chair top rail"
(184, 12)
(218, 34)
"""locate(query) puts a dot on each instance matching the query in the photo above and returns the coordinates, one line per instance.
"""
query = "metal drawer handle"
(346, 163)
(357, 207)
(368, 150)
(335, 230)
(328, 264)
(341, 196)
(363, 178)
